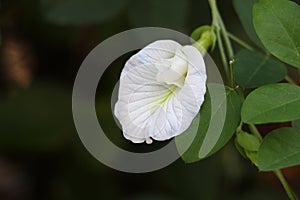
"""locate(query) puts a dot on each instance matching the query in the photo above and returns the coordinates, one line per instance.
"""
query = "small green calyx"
(204, 38)
(248, 145)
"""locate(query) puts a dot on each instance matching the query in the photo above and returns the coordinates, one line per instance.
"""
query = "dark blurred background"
(43, 43)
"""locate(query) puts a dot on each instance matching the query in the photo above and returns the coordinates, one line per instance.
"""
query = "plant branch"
(223, 55)
(240, 42)
(226, 38)
(285, 185)
(215, 22)
(290, 80)
(255, 131)
(232, 82)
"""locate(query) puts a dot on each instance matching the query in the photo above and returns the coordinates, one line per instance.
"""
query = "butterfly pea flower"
(161, 91)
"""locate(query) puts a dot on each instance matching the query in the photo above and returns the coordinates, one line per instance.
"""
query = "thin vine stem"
(213, 7)
(225, 36)
(232, 82)
(216, 23)
(223, 55)
(228, 47)
(255, 131)
(285, 185)
(239, 41)
(290, 80)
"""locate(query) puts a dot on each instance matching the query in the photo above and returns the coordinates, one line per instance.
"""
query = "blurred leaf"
(296, 124)
(248, 141)
(279, 149)
(231, 122)
(253, 69)
(39, 119)
(191, 153)
(79, 12)
(272, 103)
(277, 23)
(243, 8)
(167, 13)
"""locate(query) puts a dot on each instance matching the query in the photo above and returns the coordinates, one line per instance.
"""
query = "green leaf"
(248, 141)
(277, 23)
(79, 12)
(272, 103)
(202, 140)
(279, 149)
(253, 69)
(296, 124)
(167, 13)
(243, 8)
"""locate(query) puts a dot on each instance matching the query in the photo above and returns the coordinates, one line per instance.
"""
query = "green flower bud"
(248, 145)
(204, 38)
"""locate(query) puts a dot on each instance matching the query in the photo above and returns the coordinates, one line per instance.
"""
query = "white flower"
(161, 91)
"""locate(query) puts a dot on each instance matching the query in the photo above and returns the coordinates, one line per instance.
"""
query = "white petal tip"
(149, 140)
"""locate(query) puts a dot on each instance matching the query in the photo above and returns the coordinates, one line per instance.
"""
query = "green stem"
(285, 185)
(226, 38)
(239, 128)
(240, 42)
(216, 23)
(290, 80)
(232, 83)
(214, 11)
(229, 49)
(223, 55)
(255, 131)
